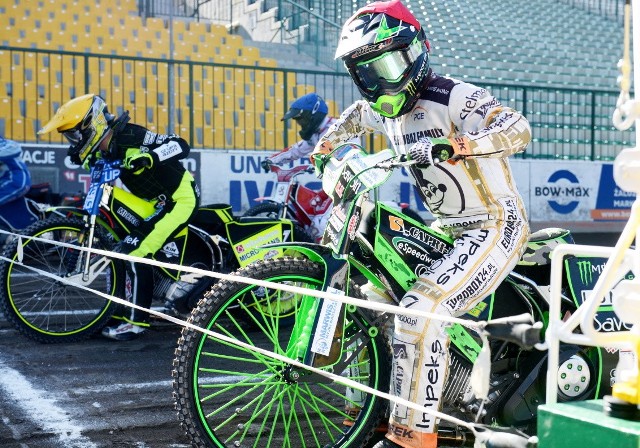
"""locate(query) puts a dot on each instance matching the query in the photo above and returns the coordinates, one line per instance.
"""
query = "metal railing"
(612, 9)
(224, 106)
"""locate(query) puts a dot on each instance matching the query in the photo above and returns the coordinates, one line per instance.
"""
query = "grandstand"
(106, 47)
(212, 81)
(558, 43)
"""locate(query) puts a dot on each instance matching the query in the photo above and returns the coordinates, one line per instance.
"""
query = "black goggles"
(76, 136)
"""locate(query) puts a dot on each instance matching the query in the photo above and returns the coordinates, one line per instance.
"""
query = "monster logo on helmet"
(384, 32)
(385, 50)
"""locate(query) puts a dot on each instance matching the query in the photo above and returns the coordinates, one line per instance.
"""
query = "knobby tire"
(47, 310)
(227, 396)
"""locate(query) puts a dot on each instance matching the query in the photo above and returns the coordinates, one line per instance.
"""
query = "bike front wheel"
(228, 395)
(44, 308)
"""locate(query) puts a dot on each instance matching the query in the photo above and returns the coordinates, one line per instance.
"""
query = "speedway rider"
(310, 112)
(459, 137)
(151, 170)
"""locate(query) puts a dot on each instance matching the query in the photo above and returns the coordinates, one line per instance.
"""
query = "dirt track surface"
(95, 393)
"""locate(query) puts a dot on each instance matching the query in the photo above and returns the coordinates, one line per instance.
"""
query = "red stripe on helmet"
(393, 8)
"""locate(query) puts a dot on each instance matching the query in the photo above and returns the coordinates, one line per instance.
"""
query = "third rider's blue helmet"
(308, 111)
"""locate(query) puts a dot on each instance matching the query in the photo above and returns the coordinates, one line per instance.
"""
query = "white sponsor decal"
(168, 150)
(171, 249)
(327, 323)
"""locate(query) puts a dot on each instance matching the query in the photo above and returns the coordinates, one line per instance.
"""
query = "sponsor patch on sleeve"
(168, 150)
(461, 146)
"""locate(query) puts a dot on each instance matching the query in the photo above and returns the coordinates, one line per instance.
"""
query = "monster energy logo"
(586, 272)
(384, 32)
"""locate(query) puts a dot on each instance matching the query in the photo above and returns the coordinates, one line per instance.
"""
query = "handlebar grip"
(266, 165)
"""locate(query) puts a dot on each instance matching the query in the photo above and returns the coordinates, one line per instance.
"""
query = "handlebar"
(286, 174)
(399, 162)
(520, 330)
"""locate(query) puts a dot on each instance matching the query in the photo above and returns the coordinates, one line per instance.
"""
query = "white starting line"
(41, 409)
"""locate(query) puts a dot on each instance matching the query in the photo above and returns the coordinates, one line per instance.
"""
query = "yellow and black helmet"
(84, 121)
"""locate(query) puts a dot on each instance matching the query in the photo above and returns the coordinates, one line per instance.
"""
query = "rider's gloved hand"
(91, 160)
(431, 151)
(266, 165)
(137, 162)
(320, 156)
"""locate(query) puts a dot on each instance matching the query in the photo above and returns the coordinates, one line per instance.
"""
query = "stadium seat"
(244, 138)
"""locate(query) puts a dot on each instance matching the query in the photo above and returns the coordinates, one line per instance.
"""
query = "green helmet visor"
(387, 70)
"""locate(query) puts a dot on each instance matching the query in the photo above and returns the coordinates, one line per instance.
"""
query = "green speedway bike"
(48, 310)
(230, 392)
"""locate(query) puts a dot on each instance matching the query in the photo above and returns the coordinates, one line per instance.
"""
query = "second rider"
(151, 170)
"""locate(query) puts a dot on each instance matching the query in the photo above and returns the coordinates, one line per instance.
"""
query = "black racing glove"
(431, 151)
(266, 165)
(137, 162)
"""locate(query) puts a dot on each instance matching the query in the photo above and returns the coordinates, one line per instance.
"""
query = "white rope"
(289, 288)
(381, 307)
(627, 109)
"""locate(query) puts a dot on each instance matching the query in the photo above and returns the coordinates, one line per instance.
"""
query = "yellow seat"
(251, 53)
(273, 120)
(223, 119)
(155, 24)
(214, 28)
(298, 90)
(334, 110)
(219, 138)
(210, 137)
(22, 129)
(228, 51)
(273, 140)
(15, 129)
(267, 62)
(180, 26)
(201, 138)
(244, 139)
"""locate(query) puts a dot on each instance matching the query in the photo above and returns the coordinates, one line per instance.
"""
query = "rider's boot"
(125, 331)
(426, 441)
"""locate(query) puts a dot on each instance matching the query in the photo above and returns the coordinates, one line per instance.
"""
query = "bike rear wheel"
(230, 396)
(265, 210)
(45, 309)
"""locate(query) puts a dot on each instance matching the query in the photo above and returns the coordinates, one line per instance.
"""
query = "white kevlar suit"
(303, 148)
(475, 201)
